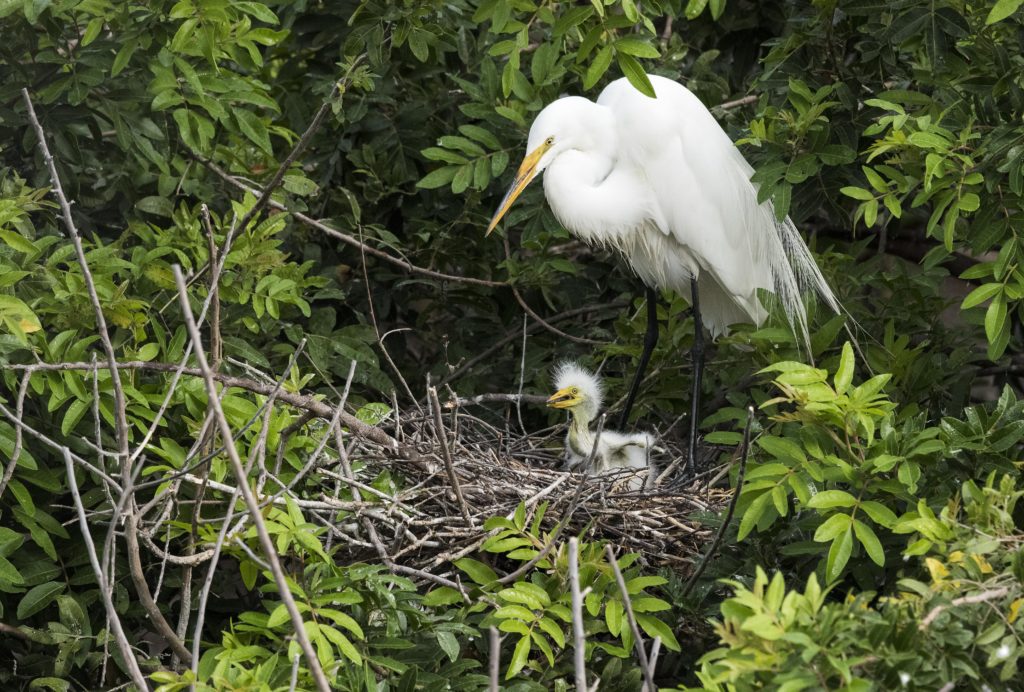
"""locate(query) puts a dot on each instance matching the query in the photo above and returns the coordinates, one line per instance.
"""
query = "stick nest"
(468, 470)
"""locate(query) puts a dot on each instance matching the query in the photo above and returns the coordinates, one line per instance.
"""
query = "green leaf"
(449, 644)
(832, 527)
(39, 598)
(995, 318)
(598, 66)
(656, 628)
(857, 193)
(868, 539)
(161, 206)
(636, 75)
(839, 555)
(828, 499)
(753, 515)
(636, 47)
(477, 571)
(442, 596)
(844, 373)
(438, 178)
(519, 657)
(1002, 9)
(980, 295)
(255, 129)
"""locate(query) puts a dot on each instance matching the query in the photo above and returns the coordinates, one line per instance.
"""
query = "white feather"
(660, 181)
(615, 450)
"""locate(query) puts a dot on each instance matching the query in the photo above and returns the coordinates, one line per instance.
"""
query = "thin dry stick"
(269, 188)
(638, 642)
(446, 453)
(19, 406)
(307, 403)
(108, 601)
(243, 484)
(204, 594)
(120, 407)
(744, 450)
(578, 634)
(495, 660)
(983, 597)
(344, 237)
(537, 318)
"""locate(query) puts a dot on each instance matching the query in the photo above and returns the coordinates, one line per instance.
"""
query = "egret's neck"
(580, 437)
(593, 196)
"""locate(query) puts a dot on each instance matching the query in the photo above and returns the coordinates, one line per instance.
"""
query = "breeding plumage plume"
(662, 183)
(580, 393)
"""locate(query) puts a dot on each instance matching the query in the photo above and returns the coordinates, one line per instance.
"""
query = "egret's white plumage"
(660, 181)
(581, 394)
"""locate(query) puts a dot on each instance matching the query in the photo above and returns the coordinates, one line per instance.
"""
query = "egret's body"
(580, 393)
(661, 182)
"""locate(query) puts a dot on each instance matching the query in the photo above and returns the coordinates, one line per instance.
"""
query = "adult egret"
(580, 393)
(661, 182)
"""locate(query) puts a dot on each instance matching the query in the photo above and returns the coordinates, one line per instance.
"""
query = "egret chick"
(580, 393)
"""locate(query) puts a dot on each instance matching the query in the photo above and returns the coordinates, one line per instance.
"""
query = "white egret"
(660, 181)
(580, 393)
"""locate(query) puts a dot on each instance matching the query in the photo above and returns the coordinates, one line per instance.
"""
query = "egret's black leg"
(650, 341)
(697, 354)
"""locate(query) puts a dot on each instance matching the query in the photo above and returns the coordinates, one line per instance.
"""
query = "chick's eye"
(575, 391)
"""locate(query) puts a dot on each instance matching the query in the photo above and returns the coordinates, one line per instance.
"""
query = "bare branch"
(578, 634)
(243, 484)
(108, 602)
(744, 451)
(638, 642)
(120, 408)
(442, 438)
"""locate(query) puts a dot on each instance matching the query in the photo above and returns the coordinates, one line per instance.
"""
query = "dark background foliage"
(890, 132)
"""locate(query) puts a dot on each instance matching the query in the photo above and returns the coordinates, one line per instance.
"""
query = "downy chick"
(580, 393)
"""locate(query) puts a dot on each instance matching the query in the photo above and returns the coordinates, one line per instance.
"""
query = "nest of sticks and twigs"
(458, 470)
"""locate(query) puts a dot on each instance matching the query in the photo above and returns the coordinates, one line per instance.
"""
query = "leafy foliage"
(891, 132)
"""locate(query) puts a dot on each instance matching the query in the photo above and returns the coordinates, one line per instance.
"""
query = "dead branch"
(243, 484)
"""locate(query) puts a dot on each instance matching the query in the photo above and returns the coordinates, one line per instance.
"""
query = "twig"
(486, 353)
(744, 451)
(729, 105)
(376, 329)
(495, 658)
(638, 641)
(495, 398)
(308, 403)
(108, 601)
(19, 406)
(243, 484)
(578, 634)
(204, 594)
(983, 597)
(278, 176)
(120, 407)
(446, 454)
(347, 239)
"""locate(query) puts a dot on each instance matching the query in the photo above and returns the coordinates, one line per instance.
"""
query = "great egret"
(661, 182)
(580, 393)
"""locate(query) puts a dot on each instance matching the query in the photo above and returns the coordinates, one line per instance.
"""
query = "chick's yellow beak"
(563, 398)
(527, 172)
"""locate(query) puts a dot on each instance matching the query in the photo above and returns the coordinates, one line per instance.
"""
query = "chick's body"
(581, 393)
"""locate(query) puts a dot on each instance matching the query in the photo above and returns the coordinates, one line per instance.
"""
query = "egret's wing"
(704, 201)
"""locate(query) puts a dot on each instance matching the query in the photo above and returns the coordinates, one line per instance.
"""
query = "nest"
(465, 470)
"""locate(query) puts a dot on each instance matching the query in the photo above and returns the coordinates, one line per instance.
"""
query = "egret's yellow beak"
(563, 398)
(527, 172)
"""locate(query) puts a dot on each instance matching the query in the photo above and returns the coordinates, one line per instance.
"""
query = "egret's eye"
(549, 141)
(574, 391)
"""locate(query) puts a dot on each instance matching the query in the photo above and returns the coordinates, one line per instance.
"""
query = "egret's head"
(579, 391)
(571, 122)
